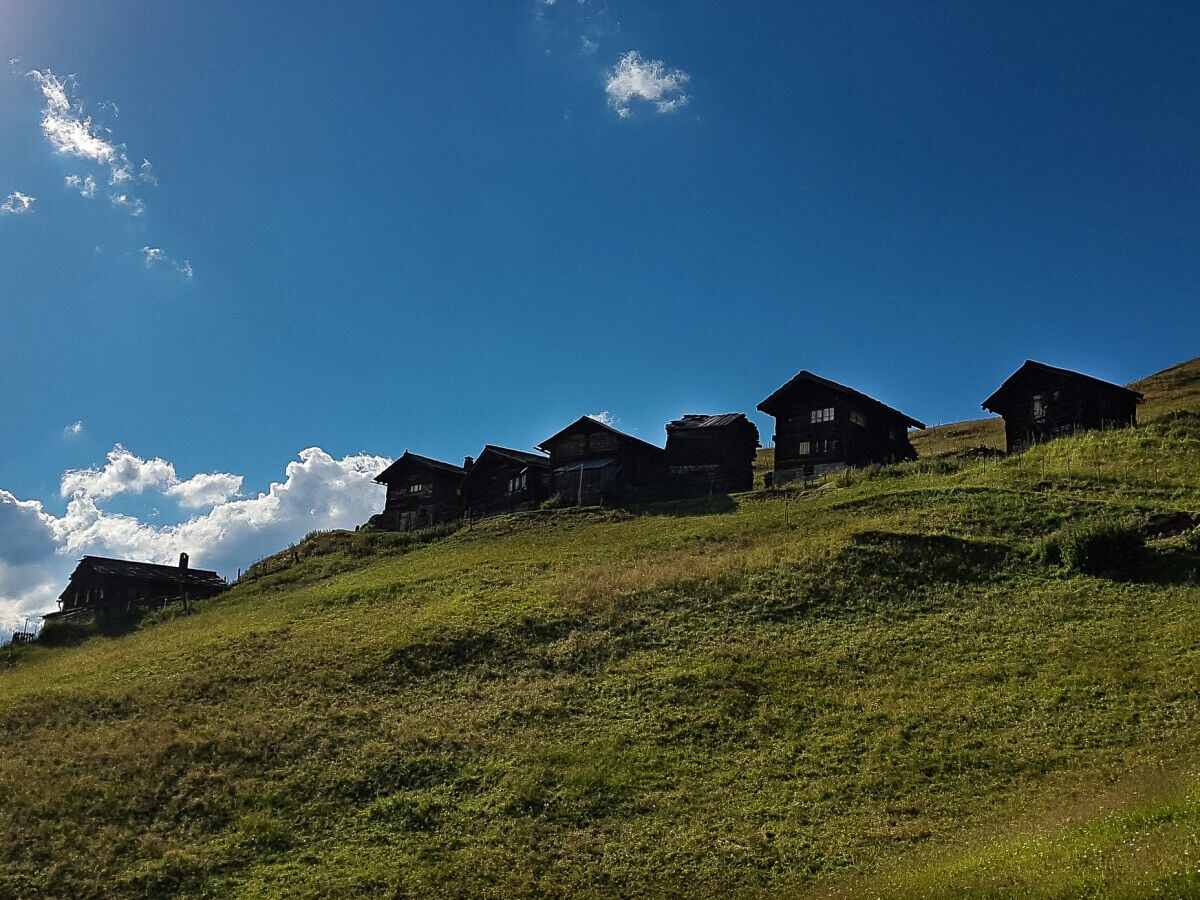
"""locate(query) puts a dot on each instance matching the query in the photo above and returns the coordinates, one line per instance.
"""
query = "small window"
(416, 488)
(516, 484)
(857, 418)
(805, 448)
(821, 415)
(1039, 408)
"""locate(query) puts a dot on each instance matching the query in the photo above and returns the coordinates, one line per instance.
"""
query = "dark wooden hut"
(420, 492)
(711, 453)
(592, 463)
(1041, 402)
(101, 586)
(822, 426)
(503, 480)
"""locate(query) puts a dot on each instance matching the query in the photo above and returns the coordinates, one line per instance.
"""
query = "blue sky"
(431, 226)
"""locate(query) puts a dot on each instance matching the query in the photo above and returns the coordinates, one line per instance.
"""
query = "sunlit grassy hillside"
(883, 686)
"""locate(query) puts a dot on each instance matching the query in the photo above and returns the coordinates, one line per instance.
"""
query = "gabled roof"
(143, 571)
(535, 460)
(806, 377)
(588, 421)
(1031, 366)
(420, 462)
(703, 421)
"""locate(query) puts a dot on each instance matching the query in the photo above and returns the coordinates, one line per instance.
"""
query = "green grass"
(874, 687)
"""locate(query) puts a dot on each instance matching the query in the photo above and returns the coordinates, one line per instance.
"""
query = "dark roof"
(587, 465)
(806, 377)
(702, 421)
(421, 462)
(532, 459)
(142, 571)
(588, 420)
(536, 460)
(1031, 366)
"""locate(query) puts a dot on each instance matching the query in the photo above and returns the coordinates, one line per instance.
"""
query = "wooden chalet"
(503, 480)
(101, 586)
(822, 426)
(593, 463)
(711, 453)
(1041, 402)
(420, 492)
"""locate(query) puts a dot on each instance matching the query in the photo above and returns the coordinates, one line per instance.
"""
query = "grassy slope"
(875, 690)
(1168, 391)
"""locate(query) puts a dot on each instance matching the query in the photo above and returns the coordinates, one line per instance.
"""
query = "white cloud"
(587, 45)
(38, 550)
(86, 185)
(155, 255)
(74, 428)
(16, 204)
(71, 132)
(205, 489)
(604, 418)
(31, 575)
(634, 78)
(124, 472)
(135, 206)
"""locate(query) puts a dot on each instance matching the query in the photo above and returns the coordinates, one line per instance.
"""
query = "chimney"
(183, 560)
(468, 462)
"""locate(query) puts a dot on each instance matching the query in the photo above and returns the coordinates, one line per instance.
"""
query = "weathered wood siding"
(636, 467)
(489, 487)
(711, 458)
(1039, 406)
(856, 434)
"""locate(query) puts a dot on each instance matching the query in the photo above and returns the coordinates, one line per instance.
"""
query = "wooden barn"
(101, 586)
(822, 426)
(711, 453)
(1041, 402)
(420, 492)
(592, 463)
(503, 480)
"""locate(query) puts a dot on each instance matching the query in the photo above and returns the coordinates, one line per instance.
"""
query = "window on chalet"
(517, 484)
(416, 488)
(818, 448)
(821, 415)
(1039, 408)
(857, 418)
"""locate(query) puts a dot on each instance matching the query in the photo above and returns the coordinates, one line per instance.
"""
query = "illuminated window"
(821, 415)
(416, 488)
(805, 448)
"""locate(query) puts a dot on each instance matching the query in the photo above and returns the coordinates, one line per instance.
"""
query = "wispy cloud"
(16, 204)
(71, 132)
(74, 428)
(126, 201)
(636, 79)
(86, 185)
(156, 256)
(604, 418)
